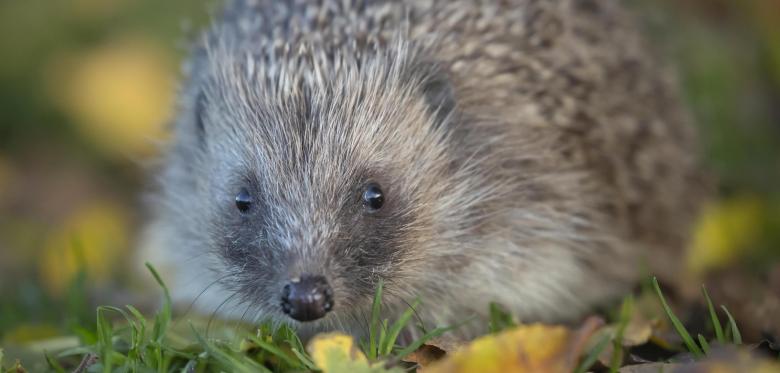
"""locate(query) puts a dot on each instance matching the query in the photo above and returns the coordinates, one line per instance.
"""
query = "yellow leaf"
(94, 237)
(328, 350)
(528, 348)
(119, 95)
(336, 353)
(724, 232)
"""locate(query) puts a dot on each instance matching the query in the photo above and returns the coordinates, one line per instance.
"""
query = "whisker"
(214, 314)
(192, 304)
(241, 320)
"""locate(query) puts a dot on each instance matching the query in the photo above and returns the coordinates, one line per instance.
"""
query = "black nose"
(307, 298)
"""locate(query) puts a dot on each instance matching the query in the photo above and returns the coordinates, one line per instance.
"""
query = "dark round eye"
(244, 200)
(373, 197)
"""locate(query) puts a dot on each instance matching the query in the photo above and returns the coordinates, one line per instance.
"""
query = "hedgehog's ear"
(440, 97)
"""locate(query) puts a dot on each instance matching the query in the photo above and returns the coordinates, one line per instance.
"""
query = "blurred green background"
(86, 87)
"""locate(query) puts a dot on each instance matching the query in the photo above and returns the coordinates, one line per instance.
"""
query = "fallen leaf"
(425, 355)
(638, 332)
(526, 348)
(336, 353)
(434, 350)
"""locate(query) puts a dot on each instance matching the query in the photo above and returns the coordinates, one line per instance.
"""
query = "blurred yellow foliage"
(93, 237)
(529, 348)
(30, 333)
(120, 95)
(724, 232)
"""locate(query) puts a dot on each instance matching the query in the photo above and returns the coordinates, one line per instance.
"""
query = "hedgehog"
(528, 153)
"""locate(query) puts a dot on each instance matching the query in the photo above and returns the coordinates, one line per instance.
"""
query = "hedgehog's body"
(528, 152)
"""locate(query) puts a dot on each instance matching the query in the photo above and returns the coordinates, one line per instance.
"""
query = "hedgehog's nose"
(307, 298)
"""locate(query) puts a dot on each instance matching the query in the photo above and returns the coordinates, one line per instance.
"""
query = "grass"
(626, 311)
(703, 348)
(126, 340)
(500, 319)
(147, 344)
(382, 336)
(699, 347)
(142, 344)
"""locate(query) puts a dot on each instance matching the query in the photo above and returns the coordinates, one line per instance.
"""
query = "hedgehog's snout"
(307, 298)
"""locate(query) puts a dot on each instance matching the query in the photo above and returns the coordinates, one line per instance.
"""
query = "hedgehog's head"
(316, 175)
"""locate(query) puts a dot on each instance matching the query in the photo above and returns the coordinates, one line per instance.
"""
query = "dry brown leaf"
(435, 350)
(638, 331)
(425, 356)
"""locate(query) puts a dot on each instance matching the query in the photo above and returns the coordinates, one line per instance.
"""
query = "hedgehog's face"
(303, 245)
(311, 197)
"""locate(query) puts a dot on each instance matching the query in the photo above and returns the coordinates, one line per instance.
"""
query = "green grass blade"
(382, 338)
(76, 351)
(53, 364)
(499, 319)
(276, 351)
(136, 336)
(140, 321)
(122, 312)
(372, 328)
(138, 315)
(398, 325)
(291, 337)
(163, 318)
(721, 338)
(425, 338)
(678, 325)
(428, 336)
(305, 359)
(735, 334)
(229, 361)
(593, 355)
(159, 281)
(626, 311)
(704, 345)
(105, 339)
(296, 346)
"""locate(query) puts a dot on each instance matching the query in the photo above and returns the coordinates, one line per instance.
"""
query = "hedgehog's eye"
(244, 200)
(373, 197)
